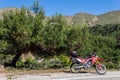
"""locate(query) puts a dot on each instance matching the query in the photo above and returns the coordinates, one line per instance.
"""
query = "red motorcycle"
(92, 61)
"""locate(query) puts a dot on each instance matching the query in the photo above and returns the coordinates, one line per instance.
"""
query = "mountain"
(80, 18)
(107, 18)
(110, 17)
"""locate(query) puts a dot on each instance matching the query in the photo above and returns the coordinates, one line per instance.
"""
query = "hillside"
(107, 18)
(82, 17)
(79, 18)
(3, 10)
(110, 17)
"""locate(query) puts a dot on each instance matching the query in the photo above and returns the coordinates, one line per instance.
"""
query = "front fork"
(99, 64)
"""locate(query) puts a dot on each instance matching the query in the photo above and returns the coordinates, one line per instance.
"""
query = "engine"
(88, 64)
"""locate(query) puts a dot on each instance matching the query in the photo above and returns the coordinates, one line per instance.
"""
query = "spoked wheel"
(74, 68)
(100, 69)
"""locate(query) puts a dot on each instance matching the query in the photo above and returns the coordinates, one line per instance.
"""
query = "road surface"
(66, 76)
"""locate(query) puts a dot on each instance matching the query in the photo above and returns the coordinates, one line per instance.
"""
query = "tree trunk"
(15, 59)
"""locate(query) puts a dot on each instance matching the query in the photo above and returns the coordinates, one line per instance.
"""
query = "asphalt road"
(66, 76)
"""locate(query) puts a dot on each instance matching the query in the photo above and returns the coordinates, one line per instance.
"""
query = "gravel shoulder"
(60, 75)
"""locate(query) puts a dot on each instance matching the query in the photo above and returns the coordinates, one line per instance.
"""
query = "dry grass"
(31, 72)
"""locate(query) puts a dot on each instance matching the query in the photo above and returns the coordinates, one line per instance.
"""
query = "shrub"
(31, 64)
(28, 64)
(119, 65)
(110, 65)
(64, 60)
(55, 63)
(5, 58)
(51, 63)
(19, 64)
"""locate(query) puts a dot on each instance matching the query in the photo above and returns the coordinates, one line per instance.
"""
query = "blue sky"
(67, 7)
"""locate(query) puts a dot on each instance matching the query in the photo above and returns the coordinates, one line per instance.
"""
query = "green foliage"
(19, 64)
(20, 30)
(118, 66)
(64, 60)
(54, 63)
(106, 40)
(77, 37)
(38, 27)
(35, 7)
(3, 42)
(110, 65)
(28, 64)
(31, 65)
(18, 25)
(4, 58)
(106, 30)
(73, 40)
(55, 35)
(51, 63)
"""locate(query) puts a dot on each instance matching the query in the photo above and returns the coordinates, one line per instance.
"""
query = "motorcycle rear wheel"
(74, 69)
(101, 70)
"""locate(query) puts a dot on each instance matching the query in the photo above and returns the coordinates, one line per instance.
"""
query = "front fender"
(97, 60)
(100, 60)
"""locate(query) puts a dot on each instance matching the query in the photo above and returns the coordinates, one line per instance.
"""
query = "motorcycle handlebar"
(93, 54)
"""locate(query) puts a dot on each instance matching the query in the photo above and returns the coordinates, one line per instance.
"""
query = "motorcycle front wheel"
(100, 69)
(74, 67)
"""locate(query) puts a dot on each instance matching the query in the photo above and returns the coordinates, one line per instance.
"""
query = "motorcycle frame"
(94, 59)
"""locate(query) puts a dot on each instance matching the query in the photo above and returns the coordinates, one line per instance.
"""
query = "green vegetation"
(51, 38)
(106, 40)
